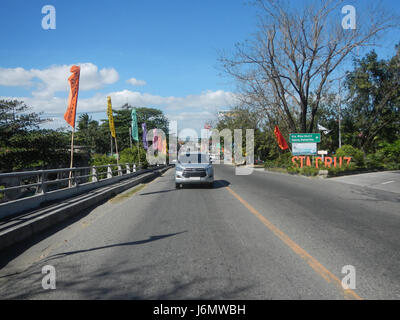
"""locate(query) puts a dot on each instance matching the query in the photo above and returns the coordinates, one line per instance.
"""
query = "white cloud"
(136, 82)
(15, 77)
(55, 78)
(209, 101)
(191, 120)
(191, 110)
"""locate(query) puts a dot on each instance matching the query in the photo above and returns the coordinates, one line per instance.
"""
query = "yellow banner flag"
(110, 117)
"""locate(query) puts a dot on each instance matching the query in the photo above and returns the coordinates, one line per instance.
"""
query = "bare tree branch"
(284, 70)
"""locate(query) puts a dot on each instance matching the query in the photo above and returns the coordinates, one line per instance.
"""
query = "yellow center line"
(312, 262)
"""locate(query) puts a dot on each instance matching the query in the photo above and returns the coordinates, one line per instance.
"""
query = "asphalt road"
(386, 181)
(263, 236)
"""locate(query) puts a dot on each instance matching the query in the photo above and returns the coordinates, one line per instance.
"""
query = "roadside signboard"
(305, 137)
(304, 149)
(322, 152)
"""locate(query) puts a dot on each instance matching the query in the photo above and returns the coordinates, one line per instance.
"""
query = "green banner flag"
(135, 131)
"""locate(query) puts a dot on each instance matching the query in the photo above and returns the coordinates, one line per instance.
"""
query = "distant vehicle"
(194, 168)
(213, 157)
(258, 162)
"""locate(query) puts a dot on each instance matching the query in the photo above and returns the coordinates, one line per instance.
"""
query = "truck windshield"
(194, 158)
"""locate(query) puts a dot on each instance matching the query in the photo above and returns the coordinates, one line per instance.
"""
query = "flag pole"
(138, 150)
(116, 150)
(72, 158)
(70, 114)
(111, 144)
(130, 136)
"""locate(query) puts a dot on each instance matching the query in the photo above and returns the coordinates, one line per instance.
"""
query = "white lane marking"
(387, 182)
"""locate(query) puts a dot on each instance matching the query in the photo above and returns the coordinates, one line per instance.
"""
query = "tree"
(284, 70)
(373, 111)
(14, 119)
(23, 145)
(242, 118)
(90, 135)
(154, 118)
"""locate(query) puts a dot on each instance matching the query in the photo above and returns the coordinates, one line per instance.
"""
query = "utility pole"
(340, 111)
(339, 108)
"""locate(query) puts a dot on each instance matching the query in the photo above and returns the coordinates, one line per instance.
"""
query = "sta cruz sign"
(305, 137)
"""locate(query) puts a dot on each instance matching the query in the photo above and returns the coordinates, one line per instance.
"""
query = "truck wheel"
(177, 186)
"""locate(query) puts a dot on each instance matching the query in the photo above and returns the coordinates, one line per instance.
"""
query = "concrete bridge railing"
(28, 190)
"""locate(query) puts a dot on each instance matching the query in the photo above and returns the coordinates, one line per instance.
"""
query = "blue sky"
(170, 47)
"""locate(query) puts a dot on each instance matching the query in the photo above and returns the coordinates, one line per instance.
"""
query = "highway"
(262, 236)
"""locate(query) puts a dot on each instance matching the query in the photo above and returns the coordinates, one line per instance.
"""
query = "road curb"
(21, 232)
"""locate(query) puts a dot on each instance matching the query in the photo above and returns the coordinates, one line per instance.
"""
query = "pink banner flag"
(155, 140)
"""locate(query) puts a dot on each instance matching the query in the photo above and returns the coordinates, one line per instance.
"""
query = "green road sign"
(304, 137)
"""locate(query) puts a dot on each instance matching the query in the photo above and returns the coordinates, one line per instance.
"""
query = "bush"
(357, 156)
(374, 161)
(101, 160)
(352, 167)
(306, 171)
(283, 161)
(388, 156)
(130, 155)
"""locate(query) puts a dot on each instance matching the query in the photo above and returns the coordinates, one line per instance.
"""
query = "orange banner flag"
(73, 80)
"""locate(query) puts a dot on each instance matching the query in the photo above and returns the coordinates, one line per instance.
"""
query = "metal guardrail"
(30, 183)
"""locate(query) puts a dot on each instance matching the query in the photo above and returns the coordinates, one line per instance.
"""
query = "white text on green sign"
(305, 137)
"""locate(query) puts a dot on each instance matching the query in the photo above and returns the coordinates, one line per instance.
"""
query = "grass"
(128, 194)
(282, 170)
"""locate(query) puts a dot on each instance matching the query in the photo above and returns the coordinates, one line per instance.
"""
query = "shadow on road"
(155, 192)
(217, 185)
(127, 279)
(18, 248)
(151, 239)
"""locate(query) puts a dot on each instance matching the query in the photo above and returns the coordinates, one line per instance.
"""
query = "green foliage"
(374, 101)
(345, 169)
(96, 138)
(373, 161)
(306, 171)
(102, 159)
(130, 155)
(357, 156)
(386, 157)
(265, 146)
(23, 145)
(154, 119)
(283, 161)
(35, 149)
(91, 136)
(14, 118)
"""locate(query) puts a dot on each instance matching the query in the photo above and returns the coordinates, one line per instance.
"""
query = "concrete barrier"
(48, 217)
(16, 207)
